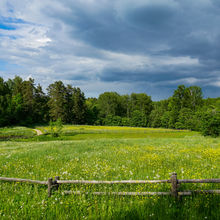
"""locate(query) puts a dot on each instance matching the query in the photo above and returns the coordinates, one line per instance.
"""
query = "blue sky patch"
(3, 65)
(124, 46)
(8, 23)
(6, 66)
(11, 20)
(7, 27)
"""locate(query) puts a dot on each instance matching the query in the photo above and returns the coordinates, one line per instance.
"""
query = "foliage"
(56, 127)
(112, 120)
(23, 103)
(211, 123)
(79, 108)
(138, 119)
(109, 104)
(57, 101)
(92, 111)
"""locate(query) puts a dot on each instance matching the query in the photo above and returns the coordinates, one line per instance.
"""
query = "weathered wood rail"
(23, 180)
(175, 183)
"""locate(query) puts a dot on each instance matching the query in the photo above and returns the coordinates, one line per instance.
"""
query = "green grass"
(104, 132)
(8, 133)
(109, 153)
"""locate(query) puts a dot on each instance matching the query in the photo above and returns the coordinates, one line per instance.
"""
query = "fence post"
(174, 185)
(55, 182)
(49, 183)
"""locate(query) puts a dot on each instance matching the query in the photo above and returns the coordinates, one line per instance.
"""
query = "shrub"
(56, 127)
(211, 123)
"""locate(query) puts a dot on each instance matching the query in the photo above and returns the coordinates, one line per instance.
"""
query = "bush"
(56, 127)
(113, 120)
(125, 121)
(211, 123)
(138, 119)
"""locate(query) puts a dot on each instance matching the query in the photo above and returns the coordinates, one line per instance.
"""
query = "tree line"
(24, 103)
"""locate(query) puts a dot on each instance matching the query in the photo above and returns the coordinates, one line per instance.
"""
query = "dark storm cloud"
(114, 75)
(161, 43)
(187, 29)
(157, 77)
(216, 3)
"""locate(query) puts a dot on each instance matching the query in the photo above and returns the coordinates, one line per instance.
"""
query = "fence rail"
(175, 183)
(184, 193)
(111, 182)
(23, 180)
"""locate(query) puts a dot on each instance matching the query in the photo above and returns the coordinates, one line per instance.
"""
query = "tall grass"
(111, 158)
(8, 133)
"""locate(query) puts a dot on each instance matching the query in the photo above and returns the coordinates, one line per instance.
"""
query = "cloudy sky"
(126, 46)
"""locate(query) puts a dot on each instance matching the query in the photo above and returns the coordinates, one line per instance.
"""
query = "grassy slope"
(8, 133)
(113, 158)
(99, 132)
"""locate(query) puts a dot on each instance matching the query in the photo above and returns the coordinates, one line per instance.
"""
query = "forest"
(24, 103)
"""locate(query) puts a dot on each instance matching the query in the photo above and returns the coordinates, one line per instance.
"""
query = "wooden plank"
(118, 193)
(111, 182)
(56, 185)
(50, 184)
(174, 182)
(188, 193)
(199, 181)
(184, 193)
(23, 180)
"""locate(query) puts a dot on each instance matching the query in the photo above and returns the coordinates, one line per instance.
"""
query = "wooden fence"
(175, 183)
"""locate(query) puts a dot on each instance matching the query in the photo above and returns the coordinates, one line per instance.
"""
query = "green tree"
(165, 119)
(142, 103)
(27, 91)
(92, 111)
(57, 101)
(126, 121)
(109, 104)
(79, 109)
(16, 109)
(195, 97)
(211, 123)
(177, 102)
(41, 108)
(69, 105)
(185, 119)
(159, 108)
(113, 120)
(125, 105)
(183, 97)
(138, 119)
(5, 99)
(16, 105)
(15, 85)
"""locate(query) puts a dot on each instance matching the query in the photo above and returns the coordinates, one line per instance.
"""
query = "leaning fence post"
(49, 183)
(174, 185)
(55, 182)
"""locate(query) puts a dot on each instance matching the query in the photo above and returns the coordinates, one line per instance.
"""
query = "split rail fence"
(175, 183)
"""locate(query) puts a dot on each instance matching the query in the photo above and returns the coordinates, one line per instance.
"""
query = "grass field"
(8, 133)
(110, 132)
(108, 153)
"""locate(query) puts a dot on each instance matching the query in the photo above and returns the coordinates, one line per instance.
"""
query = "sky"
(149, 46)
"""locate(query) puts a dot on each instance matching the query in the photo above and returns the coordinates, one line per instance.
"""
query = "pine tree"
(57, 101)
(79, 109)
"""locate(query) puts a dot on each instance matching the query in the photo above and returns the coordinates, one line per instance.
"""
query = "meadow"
(107, 153)
(9, 133)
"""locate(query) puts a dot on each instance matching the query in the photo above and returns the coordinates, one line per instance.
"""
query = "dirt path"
(38, 131)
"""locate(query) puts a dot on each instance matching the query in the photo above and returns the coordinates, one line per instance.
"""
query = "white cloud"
(52, 44)
(178, 61)
(215, 83)
(140, 62)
